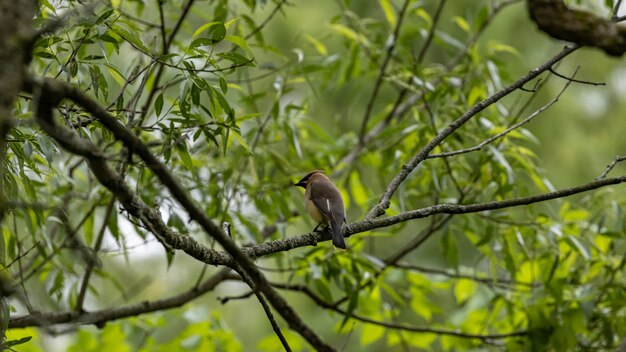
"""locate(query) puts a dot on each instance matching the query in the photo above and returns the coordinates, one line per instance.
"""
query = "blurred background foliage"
(249, 97)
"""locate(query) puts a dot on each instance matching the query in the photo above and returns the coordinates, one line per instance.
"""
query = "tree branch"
(580, 27)
(480, 145)
(16, 29)
(478, 278)
(406, 169)
(52, 91)
(308, 239)
(100, 317)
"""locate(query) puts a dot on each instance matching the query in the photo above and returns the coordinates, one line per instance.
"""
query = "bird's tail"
(337, 236)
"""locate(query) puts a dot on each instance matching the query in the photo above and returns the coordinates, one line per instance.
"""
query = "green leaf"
(13, 343)
(352, 304)
(176, 222)
(464, 289)
(113, 227)
(218, 33)
(223, 85)
(240, 42)
(44, 54)
(462, 23)
(350, 34)
(371, 333)
(158, 104)
(201, 42)
(117, 75)
(131, 38)
(237, 59)
(181, 148)
(5, 307)
(88, 228)
(579, 246)
(242, 142)
(203, 28)
(323, 289)
(390, 14)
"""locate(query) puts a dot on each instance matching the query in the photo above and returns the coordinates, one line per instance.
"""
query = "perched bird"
(323, 201)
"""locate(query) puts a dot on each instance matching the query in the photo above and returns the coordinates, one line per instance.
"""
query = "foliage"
(238, 105)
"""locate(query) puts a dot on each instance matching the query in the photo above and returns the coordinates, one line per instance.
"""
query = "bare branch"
(101, 317)
(611, 166)
(571, 79)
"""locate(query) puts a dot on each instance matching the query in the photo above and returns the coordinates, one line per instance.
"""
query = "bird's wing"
(329, 203)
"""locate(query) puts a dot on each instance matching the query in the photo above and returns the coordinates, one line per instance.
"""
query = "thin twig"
(401, 106)
(267, 19)
(157, 77)
(266, 308)
(571, 79)
(611, 166)
(96, 248)
(226, 299)
(615, 10)
(482, 279)
(431, 32)
(382, 70)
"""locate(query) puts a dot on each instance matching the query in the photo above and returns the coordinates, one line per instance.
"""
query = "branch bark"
(100, 317)
(16, 29)
(580, 27)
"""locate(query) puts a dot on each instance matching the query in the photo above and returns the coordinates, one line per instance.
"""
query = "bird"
(324, 203)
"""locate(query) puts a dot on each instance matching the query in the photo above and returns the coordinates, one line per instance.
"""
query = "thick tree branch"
(480, 207)
(576, 26)
(50, 92)
(16, 29)
(372, 224)
(219, 258)
(100, 317)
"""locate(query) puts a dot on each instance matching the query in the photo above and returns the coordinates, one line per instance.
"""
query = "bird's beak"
(300, 184)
